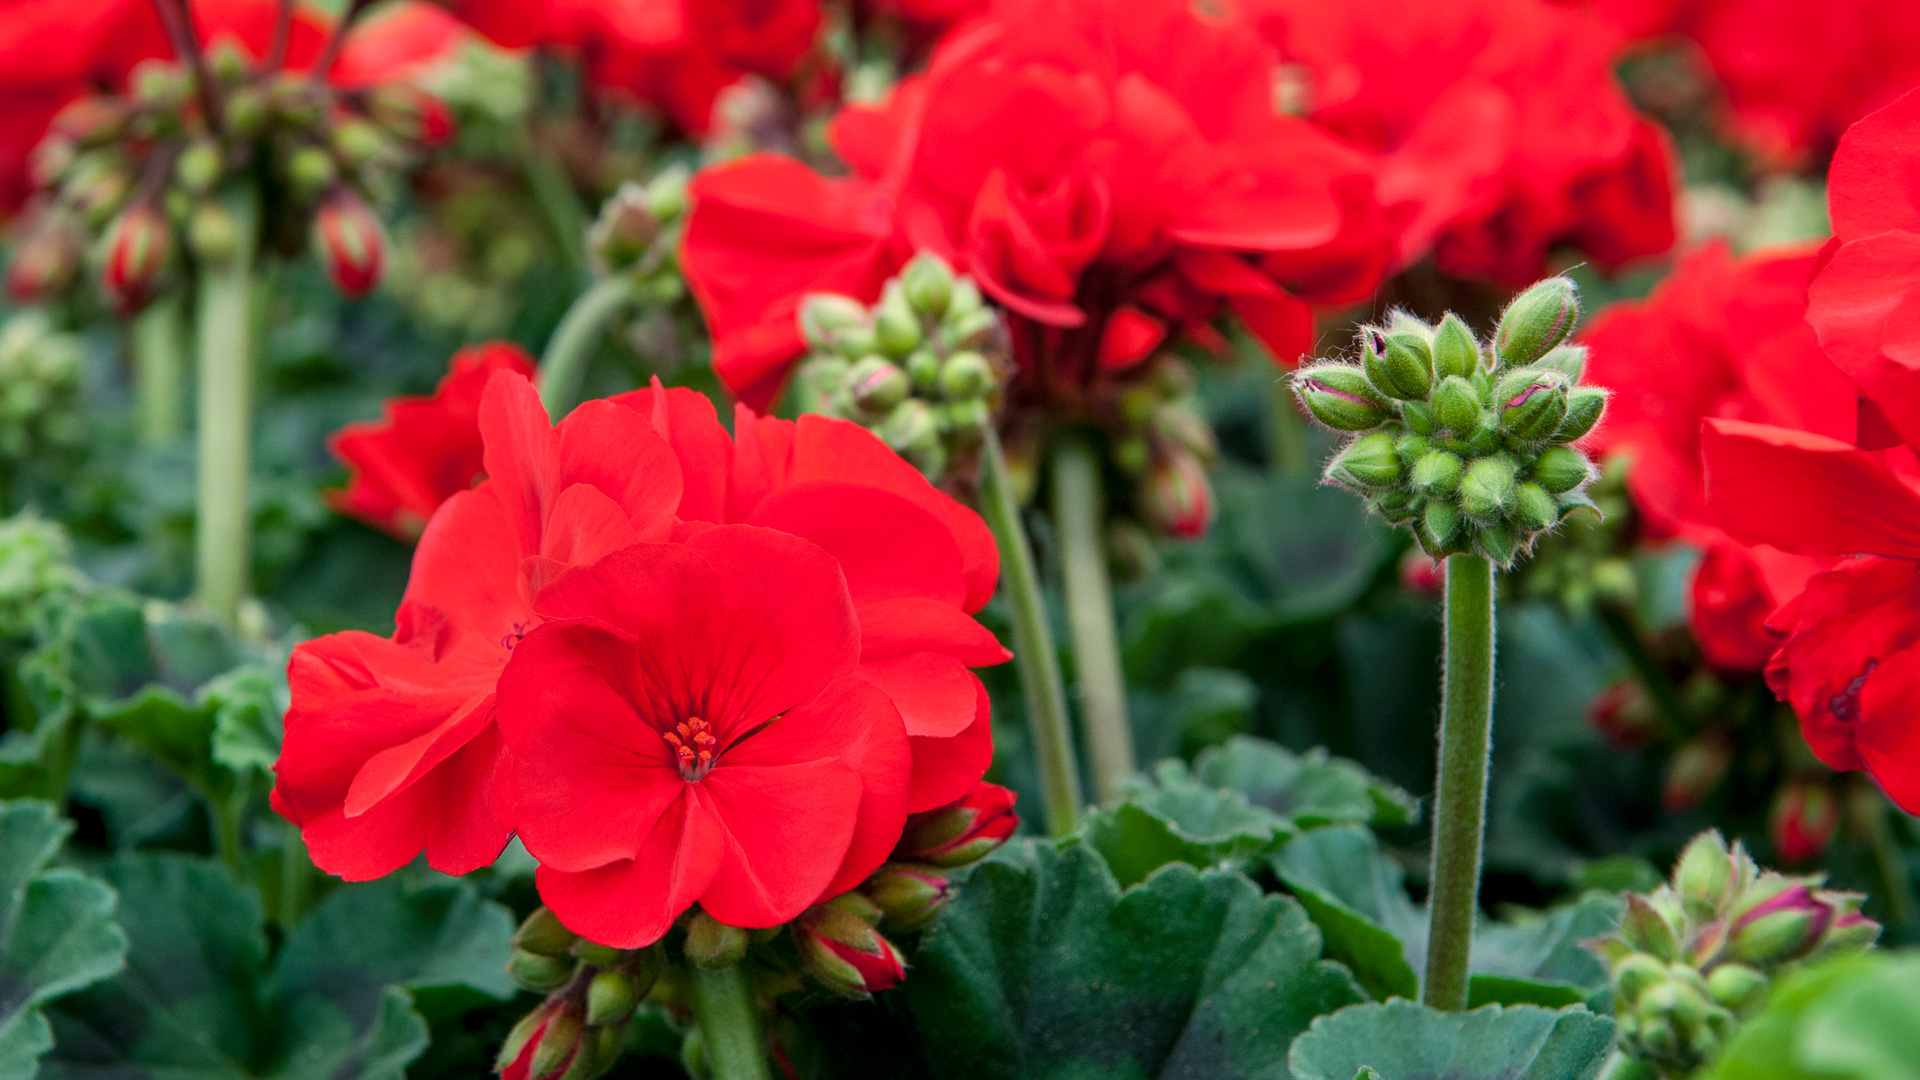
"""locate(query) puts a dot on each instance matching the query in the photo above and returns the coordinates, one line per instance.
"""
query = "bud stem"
(160, 372)
(558, 200)
(1460, 810)
(1034, 655)
(1078, 516)
(1286, 432)
(564, 365)
(224, 533)
(729, 1023)
(295, 869)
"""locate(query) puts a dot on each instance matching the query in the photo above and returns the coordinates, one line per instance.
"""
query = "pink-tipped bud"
(961, 832)
(1803, 820)
(846, 953)
(412, 114)
(908, 895)
(1623, 715)
(1177, 496)
(45, 262)
(1785, 927)
(350, 244)
(137, 244)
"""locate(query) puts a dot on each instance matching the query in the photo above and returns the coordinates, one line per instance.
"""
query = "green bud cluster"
(39, 390)
(1467, 445)
(638, 233)
(36, 569)
(921, 368)
(591, 991)
(1588, 560)
(1163, 443)
(1697, 955)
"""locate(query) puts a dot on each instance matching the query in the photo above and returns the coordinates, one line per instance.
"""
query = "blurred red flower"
(1721, 337)
(1110, 173)
(1501, 127)
(424, 450)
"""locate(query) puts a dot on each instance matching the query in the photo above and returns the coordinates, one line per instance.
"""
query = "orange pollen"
(693, 742)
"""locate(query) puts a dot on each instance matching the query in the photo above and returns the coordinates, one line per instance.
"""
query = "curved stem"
(1077, 517)
(1460, 810)
(564, 365)
(223, 533)
(729, 1023)
(160, 372)
(1033, 649)
(559, 202)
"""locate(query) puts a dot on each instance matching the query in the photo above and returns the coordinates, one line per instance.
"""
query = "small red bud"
(348, 239)
(1420, 573)
(45, 261)
(1177, 496)
(961, 832)
(91, 121)
(1803, 820)
(137, 245)
(846, 953)
(1623, 715)
(412, 114)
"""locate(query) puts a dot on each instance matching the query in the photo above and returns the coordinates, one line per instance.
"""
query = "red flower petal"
(1806, 493)
(1871, 186)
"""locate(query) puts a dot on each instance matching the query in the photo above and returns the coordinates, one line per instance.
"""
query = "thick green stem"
(1077, 518)
(1033, 650)
(564, 365)
(1460, 810)
(555, 193)
(729, 1023)
(160, 372)
(1286, 432)
(223, 533)
(294, 871)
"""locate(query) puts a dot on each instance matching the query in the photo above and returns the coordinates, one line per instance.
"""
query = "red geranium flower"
(391, 746)
(685, 728)
(1109, 173)
(1502, 129)
(916, 561)
(424, 450)
(1721, 336)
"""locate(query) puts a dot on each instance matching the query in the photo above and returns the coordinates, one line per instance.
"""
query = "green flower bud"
(1568, 360)
(1486, 491)
(1735, 985)
(1499, 542)
(713, 945)
(625, 229)
(246, 113)
(1399, 365)
(1437, 473)
(876, 385)
(1635, 973)
(1533, 509)
(212, 233)
(909, 895)
(1418, 417)
(1455, 351)
(1532, 402)
(1704, 877)
(557, 1044)
(928, 283)
(310, 170)
(1132, 455)
(667, 193)
(966, 375)
(827, 318)
(1585, 405)
(1340, 396)
(1536, 321)
(1439, 522)
(611, 997)
(1368, 462)
(923, 370)
(161, 84)
(1644, 928)
(965, 330)
(909, 427)
(1561, 469)
(228, 63)
(1456, 405)
(542, 933)
(600, 955)
(539, 973)
(896, 327)
(1397, 506)
(198, 166)
(1411, 447)
(1177, 423)
(359, 143)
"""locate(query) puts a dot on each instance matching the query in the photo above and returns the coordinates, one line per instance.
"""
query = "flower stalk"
(729, 1022)
(224, 322)
(160, 372)
(1078, 515)
(1460, 810)
(563, 366)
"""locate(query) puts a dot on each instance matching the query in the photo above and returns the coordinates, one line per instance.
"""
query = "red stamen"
(697, 758)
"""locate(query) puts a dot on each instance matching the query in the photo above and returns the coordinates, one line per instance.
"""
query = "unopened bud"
(1850, 932)
(965, 375)
(713, 945)
(923, 370)
(358, 143)
(212, 233)
(96, 187)
(1536, 321)
(1393, 504)
(826, 320)
(1177, 497)
(1695, 770)
(1735, 985)
(961, 832)
(1486, 490)
(1499, 541)
(1532, 403)
(1533, 509)
(1568, 360)
(1455, 351)
(91, 121)
(1400, 365)
(45, 262)
(846, 953)
(137, 248)
(1803, 820)
(928, 283)
(1369, 462)
(542, 933)
(160, 84)
(1561, 469)
(600, 955)
(1438, 524)
(910, 426)
(625, 229)
(1437, 472)
(1647, 930)
(909, 895)
(611, 997)
(539, 973)
(558, 1043)
(228, 63)
(1340, 396)
(896, 327)
(667, 193)
(411, 113)
(246, 112)
(198, 166)
(1704, 877)
(351, 247)
(1456, 406)
(1585, 406)
(1418, 416)
(1636, 973)
(1779, 929)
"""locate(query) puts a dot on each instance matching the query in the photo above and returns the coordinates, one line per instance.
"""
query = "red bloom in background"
(1849, 662)
(1721, 337)
(685, 728)
(1110, 173)
(917, 563)
(424, 450)
(1501, 127)
(391, 745)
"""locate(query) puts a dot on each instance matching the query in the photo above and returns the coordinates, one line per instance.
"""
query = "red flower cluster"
(1848, 662)
(1721, 337)
(1501, 129)
(684, 667)
(425, 450)
(674, 54)
(1108, 172)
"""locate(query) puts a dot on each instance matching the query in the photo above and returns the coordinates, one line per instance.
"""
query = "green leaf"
(1400, 1040)
(1310, 789)
(1541, 961)
(1359, 900)
(58, 932)
(1847, 1019)
(1043, 967)
(1135, 842)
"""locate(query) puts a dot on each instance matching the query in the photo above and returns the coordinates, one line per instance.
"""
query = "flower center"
(692, 742)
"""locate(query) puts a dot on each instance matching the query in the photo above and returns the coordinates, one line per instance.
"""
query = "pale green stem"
(554, 192)
(729, 1023)
(160, 372)
(1078, 517)
(1286, 431)
(229, 814)
(1460, 809)
(564, 365)
(223, 534)
(294, 870)
(1033, 651)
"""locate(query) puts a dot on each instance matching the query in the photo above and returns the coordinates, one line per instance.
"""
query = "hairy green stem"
(564, 365)
(559, 201)
(1077, 518)
(729, 1023)
(1460, 809)
(1623, 629)
(223, 534)
(160, 372)
(1286, 432)
(1033, 651)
